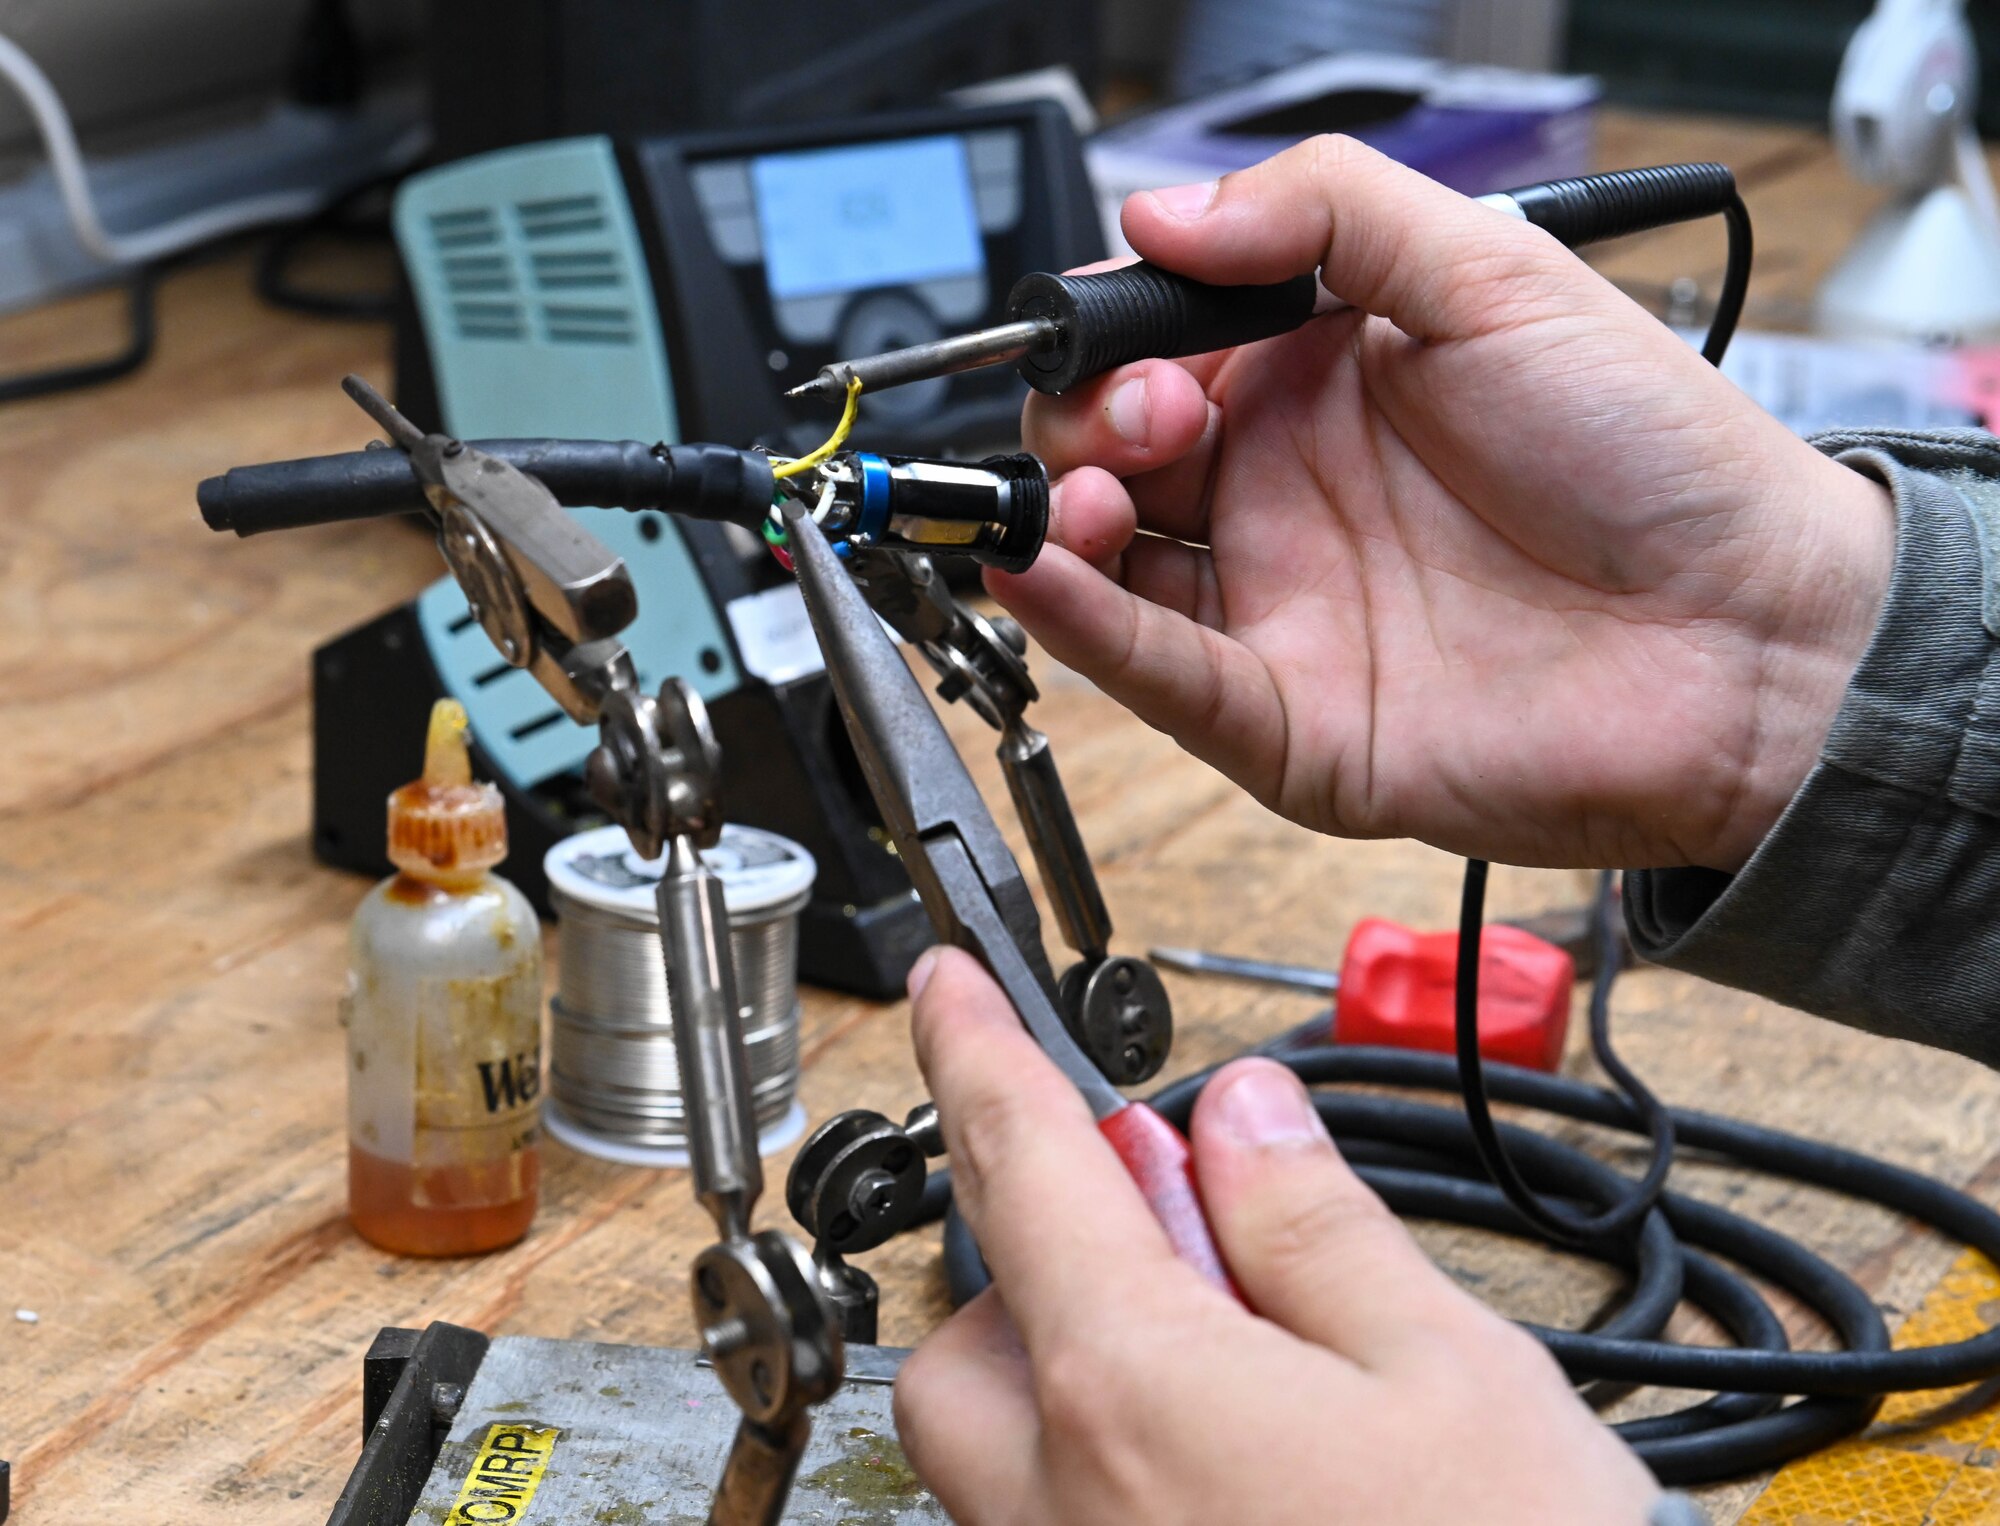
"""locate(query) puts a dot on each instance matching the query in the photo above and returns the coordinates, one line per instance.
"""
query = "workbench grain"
(171, 1147)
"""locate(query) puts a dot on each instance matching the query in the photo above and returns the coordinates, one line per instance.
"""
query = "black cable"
(1735, 282)
(1558, 1223)
(141, 328)
(1553, 1220)
(272, 275)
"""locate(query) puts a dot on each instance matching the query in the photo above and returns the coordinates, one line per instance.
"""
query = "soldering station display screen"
(874, 214)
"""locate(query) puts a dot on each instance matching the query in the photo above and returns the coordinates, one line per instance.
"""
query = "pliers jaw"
(966, 876)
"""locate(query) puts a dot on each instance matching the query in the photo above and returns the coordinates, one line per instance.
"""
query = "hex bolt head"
(445, 1401)
(872, 1195)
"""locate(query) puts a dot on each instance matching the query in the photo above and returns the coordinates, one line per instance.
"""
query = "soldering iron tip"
(818, 386)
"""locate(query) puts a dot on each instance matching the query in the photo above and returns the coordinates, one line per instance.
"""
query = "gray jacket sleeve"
(1875, 900)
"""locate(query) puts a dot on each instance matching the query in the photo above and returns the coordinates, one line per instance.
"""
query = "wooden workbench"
(171, 1129)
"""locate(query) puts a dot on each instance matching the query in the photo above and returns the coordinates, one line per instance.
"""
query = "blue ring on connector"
(874, 515)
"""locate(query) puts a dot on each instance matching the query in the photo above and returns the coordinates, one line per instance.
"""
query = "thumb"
(1311, 1247)
(1382, 236)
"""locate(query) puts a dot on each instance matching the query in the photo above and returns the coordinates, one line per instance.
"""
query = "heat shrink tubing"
(714, 482)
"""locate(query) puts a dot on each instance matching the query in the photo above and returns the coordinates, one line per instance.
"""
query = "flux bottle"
(443, 1014)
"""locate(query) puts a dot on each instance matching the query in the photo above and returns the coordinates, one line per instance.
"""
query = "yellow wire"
(834, 441)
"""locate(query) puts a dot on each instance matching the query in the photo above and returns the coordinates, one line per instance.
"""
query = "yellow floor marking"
(1928, 1460)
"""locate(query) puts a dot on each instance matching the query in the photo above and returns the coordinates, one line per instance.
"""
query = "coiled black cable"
(1422, 1160)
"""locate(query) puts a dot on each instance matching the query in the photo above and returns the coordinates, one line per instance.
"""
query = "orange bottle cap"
(444, 823)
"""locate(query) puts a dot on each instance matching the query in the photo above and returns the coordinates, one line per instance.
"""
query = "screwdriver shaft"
(1293, 977)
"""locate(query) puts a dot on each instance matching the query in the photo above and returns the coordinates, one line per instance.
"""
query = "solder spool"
(613, 1084)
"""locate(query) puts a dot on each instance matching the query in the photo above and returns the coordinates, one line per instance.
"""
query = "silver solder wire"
(611, 1050)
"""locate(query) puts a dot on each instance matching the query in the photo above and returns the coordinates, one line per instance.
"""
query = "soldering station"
(714, 428)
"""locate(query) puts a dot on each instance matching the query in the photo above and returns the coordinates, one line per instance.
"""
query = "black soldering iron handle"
(1589, 208)
(698, 481)
(1141, 312)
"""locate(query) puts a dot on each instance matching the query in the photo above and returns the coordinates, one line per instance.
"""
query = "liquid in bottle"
(443, 1014)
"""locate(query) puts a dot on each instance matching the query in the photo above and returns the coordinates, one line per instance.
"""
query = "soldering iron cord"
(1620, 1217)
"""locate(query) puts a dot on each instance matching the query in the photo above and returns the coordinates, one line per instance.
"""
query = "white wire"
(139, 248)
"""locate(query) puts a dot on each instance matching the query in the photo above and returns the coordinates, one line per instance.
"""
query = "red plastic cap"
(1397, 988)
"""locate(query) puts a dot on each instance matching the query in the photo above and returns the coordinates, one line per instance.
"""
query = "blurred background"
(128, 67)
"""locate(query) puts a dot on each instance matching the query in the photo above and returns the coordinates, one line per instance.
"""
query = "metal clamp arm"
(1060, 856)
(708, 1041)
(1115, 1006)
(766, 1323)
(551, 596)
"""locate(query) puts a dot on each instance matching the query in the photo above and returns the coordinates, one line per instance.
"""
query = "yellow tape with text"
(504, 1476)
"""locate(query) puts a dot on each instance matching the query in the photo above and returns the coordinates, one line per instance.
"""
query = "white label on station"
(774, 634)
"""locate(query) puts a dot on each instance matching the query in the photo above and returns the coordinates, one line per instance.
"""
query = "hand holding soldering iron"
(1353, 568)
(1396, 574)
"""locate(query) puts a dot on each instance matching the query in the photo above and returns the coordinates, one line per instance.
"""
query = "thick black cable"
(138, 349)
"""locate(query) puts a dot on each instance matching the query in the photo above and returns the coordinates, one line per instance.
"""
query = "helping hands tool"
(1066, 329)
(775, 1321)
(969, 882)
(553, 597)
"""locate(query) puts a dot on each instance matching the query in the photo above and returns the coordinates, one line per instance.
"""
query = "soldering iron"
(1066, 329)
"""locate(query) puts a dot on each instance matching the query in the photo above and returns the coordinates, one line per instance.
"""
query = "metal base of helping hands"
(460, 1430)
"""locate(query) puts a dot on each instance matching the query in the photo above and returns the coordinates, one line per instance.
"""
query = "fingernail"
(1127, 411)
(1184, 203)
(1265, 1107)
(921, 971)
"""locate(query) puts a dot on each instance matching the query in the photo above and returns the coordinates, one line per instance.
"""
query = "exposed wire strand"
(834, 441)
